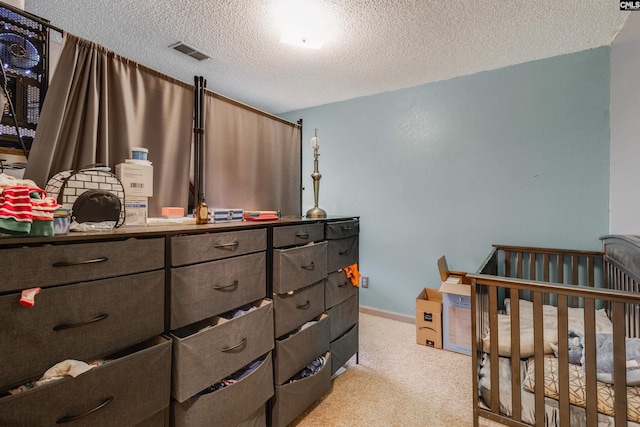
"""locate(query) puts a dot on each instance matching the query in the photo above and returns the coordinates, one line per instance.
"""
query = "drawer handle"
(346, 251)
(302, 235)
(308, 267)
(76, 417)
(345, 228)
(243, 342)
(227, 246)
(305, 305)
(234, 285)
(344, 285)
(75, 325)
(89, 261)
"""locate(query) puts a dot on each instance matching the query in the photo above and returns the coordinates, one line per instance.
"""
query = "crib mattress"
(552, 411)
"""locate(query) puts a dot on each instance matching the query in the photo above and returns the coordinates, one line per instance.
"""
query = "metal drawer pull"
(227, 246)
(344, 285)
(302, 235)
(308, 267)
(223, 288)
(243, 342)
(305, 305)
(89, 261)
(75, 325)
(76, 417)
(346, 251)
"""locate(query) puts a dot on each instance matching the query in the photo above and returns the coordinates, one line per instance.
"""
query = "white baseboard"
(388, 314)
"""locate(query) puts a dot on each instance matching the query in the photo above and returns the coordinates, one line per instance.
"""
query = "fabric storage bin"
(228, 406)
(208, 351)
(125, 391)
(343, 316)
(291, 399)
(293, 353)
(341, 229)
(343, 348)
(257, 419)
(211, 246)
(296, 235)
(342, 253)
(292, 310)
(298, 267)
(78, 262)
(158, 419)
(208, 289)
(338, 288)
(79, 321)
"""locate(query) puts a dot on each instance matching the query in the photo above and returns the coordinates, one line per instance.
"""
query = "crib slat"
(563, 359)
(519, 272)
(507, 263)
(516, 388)
(560, 275)
(619, 365)
(590, 363)
(590, 272)
(545, 263)
(495, 371)
(575, 261)
(538, 356)
(532, 265)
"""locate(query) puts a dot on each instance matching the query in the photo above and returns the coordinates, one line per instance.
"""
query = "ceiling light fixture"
(303, 23)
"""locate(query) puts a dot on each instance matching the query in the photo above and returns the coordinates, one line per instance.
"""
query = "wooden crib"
(534, 296)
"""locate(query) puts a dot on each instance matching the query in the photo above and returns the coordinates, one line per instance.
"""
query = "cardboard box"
(456, 309)
(136, 179)
(429, 318)
(136, 210)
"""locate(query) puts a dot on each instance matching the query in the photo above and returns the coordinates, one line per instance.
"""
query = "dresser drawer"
(293, 353)
(342, 253)
(296, 268)
(211, 246)
(342, 229)
(126, 391)
(69, 263)
(228, 407)
(295, 235)
(343, 348)
(343, 316)
(78, 321)
(291, 399)
(205, 290)
(338, 288)
(211, 350)
(291, 311)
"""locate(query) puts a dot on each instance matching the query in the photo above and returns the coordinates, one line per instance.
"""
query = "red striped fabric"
(15, 203)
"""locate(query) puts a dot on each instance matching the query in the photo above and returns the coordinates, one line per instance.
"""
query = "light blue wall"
(517, 156)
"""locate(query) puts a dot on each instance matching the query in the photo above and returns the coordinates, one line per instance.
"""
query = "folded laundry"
(311, 369)
(233, 378)
(69, 367)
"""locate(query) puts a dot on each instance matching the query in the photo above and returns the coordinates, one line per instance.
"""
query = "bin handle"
(243, 342)
(76, 417)
(227, 246)
(346, 251)
(75, 325)
(309, 266)
(89, 261)
(302, 235)
(305, 305)
(343, 285)
(223, 288)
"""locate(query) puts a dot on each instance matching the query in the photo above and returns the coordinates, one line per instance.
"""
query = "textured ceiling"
(374, 46)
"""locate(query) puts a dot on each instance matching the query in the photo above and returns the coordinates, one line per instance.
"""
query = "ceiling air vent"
(188, 50)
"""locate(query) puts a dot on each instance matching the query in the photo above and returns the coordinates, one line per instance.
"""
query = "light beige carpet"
(397, 383)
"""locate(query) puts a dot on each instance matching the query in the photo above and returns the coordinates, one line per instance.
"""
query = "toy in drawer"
(296, 235)
(78, 321)
(343, 348)
(228, 406)
(208, 289)
(342, 253)
(294, 351)
(292, 398)
(298, 267)
(208, 351)
(79, 262)
(338, 288)
(291, 310)
(133, 385)
(203, 247)
(342, 229)
(343, 316)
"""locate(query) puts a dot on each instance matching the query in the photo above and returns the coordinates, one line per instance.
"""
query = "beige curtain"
(252, 160)
(99, 105)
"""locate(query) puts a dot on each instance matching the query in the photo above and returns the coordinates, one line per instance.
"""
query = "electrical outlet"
(365, 282)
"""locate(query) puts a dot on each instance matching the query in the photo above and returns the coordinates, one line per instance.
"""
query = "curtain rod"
(32, 17)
